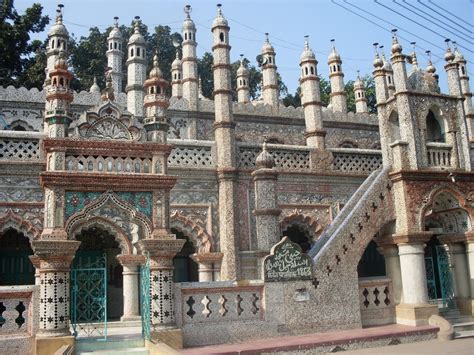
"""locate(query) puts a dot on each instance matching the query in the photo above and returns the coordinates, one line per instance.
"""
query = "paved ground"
(454, 347)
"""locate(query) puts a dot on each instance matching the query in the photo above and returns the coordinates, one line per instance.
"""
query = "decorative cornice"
(207, 257)
(315, 133)
(411, 237)
(317, 103)
(270, 86)
(224, 124)
(131, 259)
(309, 78)
(430, 175)
(221, 45)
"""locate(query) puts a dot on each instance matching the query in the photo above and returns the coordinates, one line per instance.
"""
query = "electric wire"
(440, 14)
(454, 15)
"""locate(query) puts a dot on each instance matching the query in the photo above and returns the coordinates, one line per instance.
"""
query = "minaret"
(224, 127)
(359, 94)
(311, 98)
(136, 71)
(398, 65)
(156, 104)
(270, 88)
(58, 99)
(466, 91)
(115, 56)
(58, 38)
(243, 89)
(430, 68)
(387, 67)
(189, 61)
(176, 77)
(336, 76)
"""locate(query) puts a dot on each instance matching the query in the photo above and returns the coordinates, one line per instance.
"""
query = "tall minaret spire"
(189, 61)
(359, 94)
(58, 39)
(136, 70)
(176, 77)
(115, 56)
(243, 89)
(336, 76)
(465, 90)
(311, 98)
(269, 74)
(224, 132)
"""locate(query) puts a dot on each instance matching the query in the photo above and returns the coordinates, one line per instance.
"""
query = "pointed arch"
(194, 228)
(15, 221)
(298, 217)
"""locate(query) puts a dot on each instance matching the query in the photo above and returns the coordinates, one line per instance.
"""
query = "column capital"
(130, 260)
(207, 258)
(411, 237)
(54, 254)
(469, 236)
(165, 247)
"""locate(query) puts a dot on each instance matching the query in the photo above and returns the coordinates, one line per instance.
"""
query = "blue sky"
(288, 21)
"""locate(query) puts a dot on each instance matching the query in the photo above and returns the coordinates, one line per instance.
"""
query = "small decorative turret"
(336, 76)
(115, 56)
(387, 67)
(58, 38)
(265, 160)
(451, 67)
(398, 64)
(414, 59)
(176, 77)
(269, 75)
(465, 89)
(311, 98)
(94, 88)
(136, 70)
(430, 68)
(381, 90)
(359, 93)
(108, 92)
(243, 89)
(189, 61)
(58, 99)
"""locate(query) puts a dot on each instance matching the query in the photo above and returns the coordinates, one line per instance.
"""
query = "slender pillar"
(115, 56)
(136, 70)
(270, 89)
(36, 264)
(54, 258)
(392, 268)
(336, 76)
(161, 252)
(470, 265)
(207, 264)
(131, 297)
(189, 61)
(466, 91)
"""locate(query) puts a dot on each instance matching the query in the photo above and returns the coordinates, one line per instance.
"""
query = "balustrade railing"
(356, 161)
(439, 154)
(191, 154)
(108, 164)
(218, 302)
(20, 146)
(19, 317)
(376, 301)
(286, 157)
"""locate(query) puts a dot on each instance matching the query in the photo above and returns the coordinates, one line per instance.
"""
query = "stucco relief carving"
(192, 222)
(22, 221)
(310, 216)
(18, 188)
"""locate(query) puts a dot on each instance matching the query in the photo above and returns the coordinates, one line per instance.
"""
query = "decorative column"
(266, 206)
(54, 258)
(470, 265)
(359, 93)
(270, 89)
(176, 77)
(131, 297)
(243, 89)
(461, 276)
(161, 252)
(466, 91)
(336, 76)
(208, 263)
(415, 309)
(224, 132)
(189, 61)
(115, 56)
(392, 268)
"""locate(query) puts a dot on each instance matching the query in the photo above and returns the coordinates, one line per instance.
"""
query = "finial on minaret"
(219, 9)
(59, 14)
(187, 10)
(414, 60)
(396, 47)
(108, 92)
(430, 68)
(333, 42)
(306, 42)
(358, 74)
(116, 21)
(267, 38)
(241, 59)
(449, 56)
(137, 24)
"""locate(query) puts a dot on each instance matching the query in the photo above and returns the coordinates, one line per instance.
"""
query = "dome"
(422, 81)
(449, 56)
(136, 38)
(115, 33)
(396, 47)
(265, 159)
(176, 65)
(334, 55)
(58, 29)
(308, 53)
(95, 87)
(220, 20)
(378, 62)
(188, 24)
(156, 71)
(267, 46)
(242, 71)
(386, 64)
(358, 83)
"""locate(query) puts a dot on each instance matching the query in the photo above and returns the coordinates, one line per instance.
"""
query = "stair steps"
(113, 345)
(463, 325)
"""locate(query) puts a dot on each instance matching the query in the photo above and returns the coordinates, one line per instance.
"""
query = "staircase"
(463, 325)
(122, 338)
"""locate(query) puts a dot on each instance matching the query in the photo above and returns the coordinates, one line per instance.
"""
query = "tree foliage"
(18, 63)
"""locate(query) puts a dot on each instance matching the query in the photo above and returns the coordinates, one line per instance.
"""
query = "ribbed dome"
(265, 159)
(95, 87)
(421, 81)
(220, 20)
(308, 53)
(58, 29)
(136, 38)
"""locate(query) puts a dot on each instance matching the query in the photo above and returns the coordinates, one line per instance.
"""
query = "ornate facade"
(183, 182)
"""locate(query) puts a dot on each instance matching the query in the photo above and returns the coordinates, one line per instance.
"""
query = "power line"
(429, 20)
(419, 24)
(455, 16)
(442, 15)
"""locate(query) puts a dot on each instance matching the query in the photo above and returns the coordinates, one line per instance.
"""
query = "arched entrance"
(372, 262)
(299, 234)
(97, 243)
(15, 265)
(185, 268)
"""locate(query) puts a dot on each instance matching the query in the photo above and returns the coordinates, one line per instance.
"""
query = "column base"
(126, 318)
(415, 314)
(171, 336)
(49, 345)
(465, 306)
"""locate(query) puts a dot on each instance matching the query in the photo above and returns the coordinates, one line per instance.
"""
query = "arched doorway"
(15, 265)
(299, 234)
(185, 268)
(372, 263)
(97, 243)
